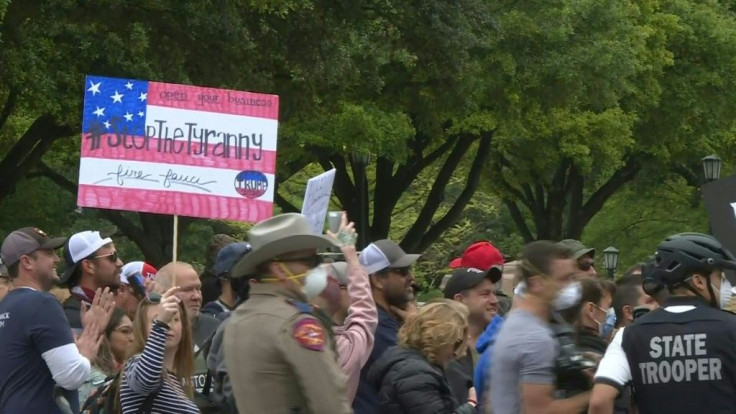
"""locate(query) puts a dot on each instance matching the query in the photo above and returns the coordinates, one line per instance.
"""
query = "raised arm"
(360, 325)
(143, 373)
(355, 340)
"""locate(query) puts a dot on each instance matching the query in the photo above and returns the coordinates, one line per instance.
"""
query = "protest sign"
(317, 199)
(720, 201)
(178, 149)
(720, 198)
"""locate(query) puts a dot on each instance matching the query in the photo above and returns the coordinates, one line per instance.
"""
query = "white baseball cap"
(79, 247)
(137, 268)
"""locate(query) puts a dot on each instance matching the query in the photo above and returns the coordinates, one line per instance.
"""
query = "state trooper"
(277, 352)
(679, 358)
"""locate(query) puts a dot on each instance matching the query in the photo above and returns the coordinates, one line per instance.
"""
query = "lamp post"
(360, 161)
(711, 168)
(712, 172)
(610, 260)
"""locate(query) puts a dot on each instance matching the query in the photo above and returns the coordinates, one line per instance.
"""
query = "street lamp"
(711, 168)
(360, 161)
(610, 260)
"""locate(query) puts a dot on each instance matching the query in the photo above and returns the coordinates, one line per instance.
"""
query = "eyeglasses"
(112, 257)
(125, 330)
(585, 266)
(311, 261)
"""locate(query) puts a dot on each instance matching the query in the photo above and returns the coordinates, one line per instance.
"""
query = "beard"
(398, 298)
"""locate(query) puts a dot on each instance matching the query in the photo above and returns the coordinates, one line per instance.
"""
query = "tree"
(660, 211)
(381, 63)
(425, 112)
(596, 94)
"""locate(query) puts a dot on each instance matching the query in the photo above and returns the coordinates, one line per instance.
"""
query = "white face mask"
(725, 292)
(568, 296)
(520, 289)
(314, 283)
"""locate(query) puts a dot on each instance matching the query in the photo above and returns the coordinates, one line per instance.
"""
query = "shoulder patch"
(310, 334)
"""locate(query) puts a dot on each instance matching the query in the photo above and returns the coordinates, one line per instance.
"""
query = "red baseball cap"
(483, 256)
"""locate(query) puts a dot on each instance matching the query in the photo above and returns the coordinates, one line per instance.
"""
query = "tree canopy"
(506, 120)
(595, 94)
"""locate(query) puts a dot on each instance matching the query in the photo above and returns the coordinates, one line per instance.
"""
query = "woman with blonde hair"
(410, 377)
(159, 377)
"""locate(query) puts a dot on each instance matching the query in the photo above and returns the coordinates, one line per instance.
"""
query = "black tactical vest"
(683, 362)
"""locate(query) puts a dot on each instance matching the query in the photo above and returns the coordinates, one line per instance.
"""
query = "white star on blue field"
(113, 105)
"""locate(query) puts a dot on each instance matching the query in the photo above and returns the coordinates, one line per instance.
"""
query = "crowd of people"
(275, 325)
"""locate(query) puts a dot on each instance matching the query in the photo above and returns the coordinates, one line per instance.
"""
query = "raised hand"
(100, 311)
(346, 235)
(88, 342)
(169, 305)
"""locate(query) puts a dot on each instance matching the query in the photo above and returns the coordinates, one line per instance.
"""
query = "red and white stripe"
(102, 186)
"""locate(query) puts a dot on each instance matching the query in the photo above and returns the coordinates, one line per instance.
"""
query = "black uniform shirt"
(683, 358)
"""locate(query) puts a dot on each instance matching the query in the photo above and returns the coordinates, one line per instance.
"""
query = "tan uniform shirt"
(280, 360)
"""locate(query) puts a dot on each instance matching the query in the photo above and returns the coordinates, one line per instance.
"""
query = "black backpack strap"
(208, 378)
(207, 384)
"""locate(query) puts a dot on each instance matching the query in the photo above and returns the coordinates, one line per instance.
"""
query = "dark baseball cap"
(26, 241)
(578, 249)
(466, 278)
(385, 254)
(228, 256)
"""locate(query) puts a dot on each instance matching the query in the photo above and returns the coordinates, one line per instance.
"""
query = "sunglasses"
(585, 266)
(458, 344)
(112, 257)
(403, 271)
(311, 261)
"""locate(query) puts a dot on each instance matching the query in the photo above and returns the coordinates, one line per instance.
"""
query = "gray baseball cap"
(339, 270)
(385, 254)
(578, 249)
(26, 241)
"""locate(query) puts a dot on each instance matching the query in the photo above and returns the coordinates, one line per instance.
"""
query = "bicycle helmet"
(680, 256)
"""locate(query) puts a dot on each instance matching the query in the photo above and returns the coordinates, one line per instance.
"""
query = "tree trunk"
(560, 205)
(390, 185)
(27, 152)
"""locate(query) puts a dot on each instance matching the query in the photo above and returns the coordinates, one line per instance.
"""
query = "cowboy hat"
(275, 236)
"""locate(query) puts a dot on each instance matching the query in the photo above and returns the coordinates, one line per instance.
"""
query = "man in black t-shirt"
(36, 341)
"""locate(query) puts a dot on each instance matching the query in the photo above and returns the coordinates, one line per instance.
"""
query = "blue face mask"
(607, 327)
